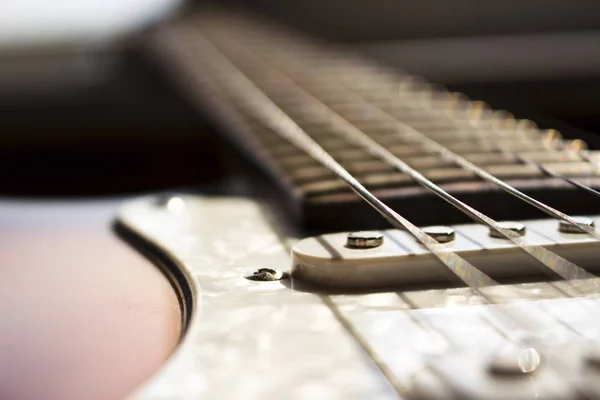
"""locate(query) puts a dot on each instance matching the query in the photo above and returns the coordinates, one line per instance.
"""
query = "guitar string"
(579, 279)
(583, 187)
(262, 106)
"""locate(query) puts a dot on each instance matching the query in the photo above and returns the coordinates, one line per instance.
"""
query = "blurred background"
(85, 110)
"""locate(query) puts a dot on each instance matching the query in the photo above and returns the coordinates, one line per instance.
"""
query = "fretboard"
(255, 79)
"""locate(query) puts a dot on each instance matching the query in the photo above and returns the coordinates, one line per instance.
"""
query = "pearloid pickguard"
(267, 340)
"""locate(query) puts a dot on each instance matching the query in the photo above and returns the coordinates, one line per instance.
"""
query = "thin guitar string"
(583, 187)
(574, 275)
(480, 283)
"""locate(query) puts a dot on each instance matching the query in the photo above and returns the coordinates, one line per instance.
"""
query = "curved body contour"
(82, 315)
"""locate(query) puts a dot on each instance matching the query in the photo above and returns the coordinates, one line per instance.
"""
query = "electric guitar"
(415, 311)
(418, 244)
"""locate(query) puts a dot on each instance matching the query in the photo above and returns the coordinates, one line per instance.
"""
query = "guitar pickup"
(394, 257)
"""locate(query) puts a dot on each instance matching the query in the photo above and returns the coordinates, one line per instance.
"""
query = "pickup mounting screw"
(567, 227)
(516, 227)
(442, 234)
(364, 240)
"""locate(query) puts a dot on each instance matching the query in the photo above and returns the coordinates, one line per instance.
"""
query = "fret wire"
(259, 104)
(579, 279)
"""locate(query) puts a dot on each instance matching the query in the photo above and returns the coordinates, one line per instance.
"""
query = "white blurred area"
(49, 46)
(40, 23)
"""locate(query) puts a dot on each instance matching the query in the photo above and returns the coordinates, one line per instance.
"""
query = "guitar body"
(84, 316)
(224, 292)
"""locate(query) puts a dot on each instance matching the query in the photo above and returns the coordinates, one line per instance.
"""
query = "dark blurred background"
(92, 113)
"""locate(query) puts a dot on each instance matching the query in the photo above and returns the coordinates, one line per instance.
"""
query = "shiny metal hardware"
(266, 275)
(442, 234)
(515, 363)
(566, 227)
(364, 240)
(516, 227)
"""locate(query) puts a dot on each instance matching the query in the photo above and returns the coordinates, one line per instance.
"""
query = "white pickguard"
(264, 340)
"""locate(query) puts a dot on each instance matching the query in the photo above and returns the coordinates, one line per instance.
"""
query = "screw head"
(442, 234)
(566, 227)
(364, 240)
(515, 362)
(266, 275)
(516, 227)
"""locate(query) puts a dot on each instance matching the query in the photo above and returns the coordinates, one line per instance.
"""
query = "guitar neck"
(327, 92)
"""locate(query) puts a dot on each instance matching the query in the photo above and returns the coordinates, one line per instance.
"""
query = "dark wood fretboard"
(326, 92)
